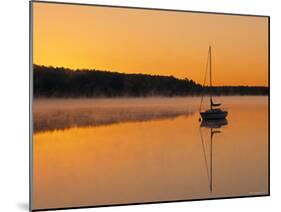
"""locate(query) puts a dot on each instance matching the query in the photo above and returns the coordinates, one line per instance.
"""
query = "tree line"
(62, 82)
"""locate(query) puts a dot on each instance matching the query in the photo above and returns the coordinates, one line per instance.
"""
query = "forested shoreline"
(63, 82)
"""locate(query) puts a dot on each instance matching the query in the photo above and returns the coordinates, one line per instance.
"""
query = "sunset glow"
(152, 42)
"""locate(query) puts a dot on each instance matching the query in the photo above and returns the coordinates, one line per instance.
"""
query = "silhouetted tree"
(62, 82)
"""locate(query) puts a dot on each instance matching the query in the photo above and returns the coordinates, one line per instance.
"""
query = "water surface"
(111, 151)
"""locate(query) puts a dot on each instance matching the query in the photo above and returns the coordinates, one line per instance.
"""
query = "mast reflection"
(214, 126)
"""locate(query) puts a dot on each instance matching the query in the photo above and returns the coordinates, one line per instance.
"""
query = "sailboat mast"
(210, 54)
(211, 160)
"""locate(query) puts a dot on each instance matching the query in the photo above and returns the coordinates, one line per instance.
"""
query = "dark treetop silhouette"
(63, 82)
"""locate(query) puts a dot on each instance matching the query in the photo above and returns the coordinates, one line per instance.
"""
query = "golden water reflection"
(151, 161)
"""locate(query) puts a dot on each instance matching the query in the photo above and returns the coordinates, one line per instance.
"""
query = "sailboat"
(215, 112)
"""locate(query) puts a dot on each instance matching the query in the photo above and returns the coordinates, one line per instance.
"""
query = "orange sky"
(152, 42)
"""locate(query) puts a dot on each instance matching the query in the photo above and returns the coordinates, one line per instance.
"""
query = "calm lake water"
(110, 151)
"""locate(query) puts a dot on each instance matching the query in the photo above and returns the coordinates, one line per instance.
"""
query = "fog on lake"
(128, 150)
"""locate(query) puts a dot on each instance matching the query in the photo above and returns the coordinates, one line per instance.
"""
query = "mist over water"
(129, 150)
(53, 114)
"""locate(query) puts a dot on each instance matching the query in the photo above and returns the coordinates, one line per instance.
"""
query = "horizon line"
(119, 72)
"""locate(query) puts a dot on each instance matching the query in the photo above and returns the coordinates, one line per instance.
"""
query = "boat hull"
(214, 115)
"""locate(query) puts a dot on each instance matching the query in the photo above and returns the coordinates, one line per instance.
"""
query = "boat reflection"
(214, 123)
(214, 126)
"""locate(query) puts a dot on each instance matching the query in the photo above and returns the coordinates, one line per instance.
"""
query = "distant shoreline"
(50, 82)
(139, 97)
